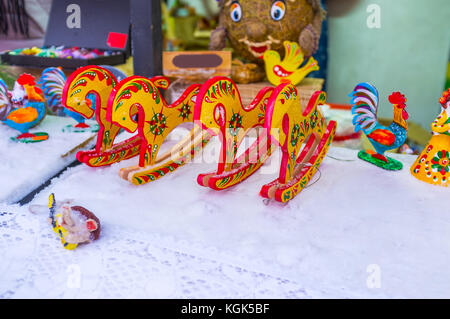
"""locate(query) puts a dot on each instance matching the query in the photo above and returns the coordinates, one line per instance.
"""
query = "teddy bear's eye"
(278, 10)
(236, 12)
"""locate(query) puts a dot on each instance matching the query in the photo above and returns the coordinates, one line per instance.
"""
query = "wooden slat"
(306, 88)
(146, 37)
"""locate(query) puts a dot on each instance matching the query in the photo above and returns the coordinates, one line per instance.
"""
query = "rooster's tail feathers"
(4, 100)
(52, 83)
(364, 107)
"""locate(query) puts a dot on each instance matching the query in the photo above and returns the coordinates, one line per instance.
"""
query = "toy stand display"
(222, 169)
(66, 41)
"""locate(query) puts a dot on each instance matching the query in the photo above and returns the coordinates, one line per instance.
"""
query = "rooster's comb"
(397, 98)
(26, 79)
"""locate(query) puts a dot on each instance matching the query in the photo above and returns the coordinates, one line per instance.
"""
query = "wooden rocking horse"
(86, 92)
(289, 126)
(219, 110)
(140, 96)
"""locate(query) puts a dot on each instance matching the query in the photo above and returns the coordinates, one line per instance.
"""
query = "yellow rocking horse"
(140, 96)
(86, 92)
(219, 110)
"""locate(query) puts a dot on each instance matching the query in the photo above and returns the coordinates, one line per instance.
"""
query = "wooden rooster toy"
(26, 108)
(365, 105)
(288, 70)
(5, 104)
(52, 83)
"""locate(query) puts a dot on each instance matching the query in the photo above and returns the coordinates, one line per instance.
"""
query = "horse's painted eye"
(278, 10)
(236, 12)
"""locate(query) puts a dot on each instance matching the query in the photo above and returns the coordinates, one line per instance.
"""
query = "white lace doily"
(121, 264)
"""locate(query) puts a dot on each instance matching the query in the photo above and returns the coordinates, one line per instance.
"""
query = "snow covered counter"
(358, 232)
(127, 264)
(24, 167)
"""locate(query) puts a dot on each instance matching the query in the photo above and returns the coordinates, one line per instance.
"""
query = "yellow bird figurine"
(289, 69)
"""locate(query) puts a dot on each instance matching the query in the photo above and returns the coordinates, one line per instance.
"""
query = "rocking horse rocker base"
(177, 156)
(119, 152)
(307, 163)
(243, 167)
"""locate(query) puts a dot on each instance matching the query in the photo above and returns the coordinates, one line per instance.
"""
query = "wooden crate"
(248, 91)
(306, 88)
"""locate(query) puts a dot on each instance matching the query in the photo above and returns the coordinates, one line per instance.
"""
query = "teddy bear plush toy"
(254, 26)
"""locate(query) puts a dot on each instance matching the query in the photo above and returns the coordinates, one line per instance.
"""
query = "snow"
(24, 167)
(356, 232)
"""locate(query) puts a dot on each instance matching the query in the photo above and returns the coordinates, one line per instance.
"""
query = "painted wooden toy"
(52, 83)
(86, 92)
(433, 164)
(289, 125)
(23, 108)
(254, 26)
(365, 104)
(289, 69)
(140, 96)
(220, 111)
(5, 103)
(74, 224)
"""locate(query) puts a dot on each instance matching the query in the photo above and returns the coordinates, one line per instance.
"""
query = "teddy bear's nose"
(256, 31)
